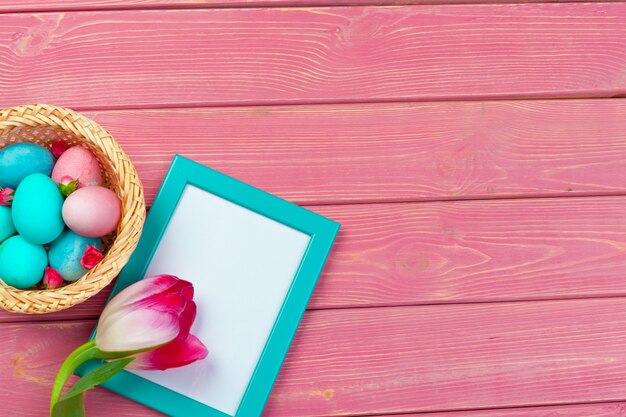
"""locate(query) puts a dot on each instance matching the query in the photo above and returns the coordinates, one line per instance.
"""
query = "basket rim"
(128, 188)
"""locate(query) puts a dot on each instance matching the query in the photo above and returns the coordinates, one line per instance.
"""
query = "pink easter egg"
(92, 211)
(78, 163)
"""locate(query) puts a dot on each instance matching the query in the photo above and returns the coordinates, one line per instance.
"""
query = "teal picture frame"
(322, 231)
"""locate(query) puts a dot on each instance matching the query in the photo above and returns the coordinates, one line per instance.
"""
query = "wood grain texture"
(11, 6)
(341, 54)
(323, 154)
(30, 361)
(461, 252)
(391, 360)
(475, 252)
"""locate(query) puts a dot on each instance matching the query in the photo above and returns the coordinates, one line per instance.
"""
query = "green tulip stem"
(82, 354)
(79, 356)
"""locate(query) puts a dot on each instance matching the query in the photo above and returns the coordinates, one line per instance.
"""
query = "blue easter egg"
(66, 252)
(37, 209)
(22, 264)
(6, 223)
(22, 159)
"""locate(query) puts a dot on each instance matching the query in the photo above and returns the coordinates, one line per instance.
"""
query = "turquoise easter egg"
(6, 223)
(37, 209)
(21, 160)
(21, 263)
(66, 252)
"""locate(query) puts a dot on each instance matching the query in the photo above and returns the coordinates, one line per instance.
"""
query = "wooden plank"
(10, 6)
(393, 360)
(325, 154)
(462, 252)
(397, 360)
(475, 252)
(340, 54)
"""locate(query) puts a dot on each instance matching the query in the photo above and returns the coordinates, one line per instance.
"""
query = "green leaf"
(97, 376)
(71, 407)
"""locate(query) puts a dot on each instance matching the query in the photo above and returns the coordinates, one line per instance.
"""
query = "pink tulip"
(155, 312)
(147, 322)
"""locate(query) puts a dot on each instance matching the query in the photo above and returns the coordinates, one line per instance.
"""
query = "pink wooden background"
(474, 151)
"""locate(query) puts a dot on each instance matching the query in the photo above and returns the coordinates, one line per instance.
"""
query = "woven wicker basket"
(43, 124)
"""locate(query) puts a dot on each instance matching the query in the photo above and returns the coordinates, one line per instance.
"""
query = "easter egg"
(78, 163)
(92, 211)
(6, 223)
(22, 159)
(37, 208)
(66, 252)
(21, 263)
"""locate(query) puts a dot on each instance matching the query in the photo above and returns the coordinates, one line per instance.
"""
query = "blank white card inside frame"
(241, 265)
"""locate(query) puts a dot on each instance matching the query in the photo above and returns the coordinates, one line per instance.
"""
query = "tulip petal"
(173, 355)
(125, 330)
(172, 303)
(185, 320)
(141, 289)
(186, 289)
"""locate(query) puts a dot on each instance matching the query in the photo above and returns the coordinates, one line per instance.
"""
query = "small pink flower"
(6, 196)
(91, 257)
(58, 147)
(51, 278)
(67, 186)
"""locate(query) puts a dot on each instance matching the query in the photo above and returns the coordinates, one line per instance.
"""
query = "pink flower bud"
(91, 257)
(51, 278)
(67, 186)
(58, 147)
(6, 196)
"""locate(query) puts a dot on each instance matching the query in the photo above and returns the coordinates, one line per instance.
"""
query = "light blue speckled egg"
(6, 223)
(21, 264)
(66, 252)
(22, 159)
(37, 209)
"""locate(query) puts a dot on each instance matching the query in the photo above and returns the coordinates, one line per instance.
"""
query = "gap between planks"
(59, 316)
(452, 199)
(615, 408)
(279, 104)
(44, 6)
